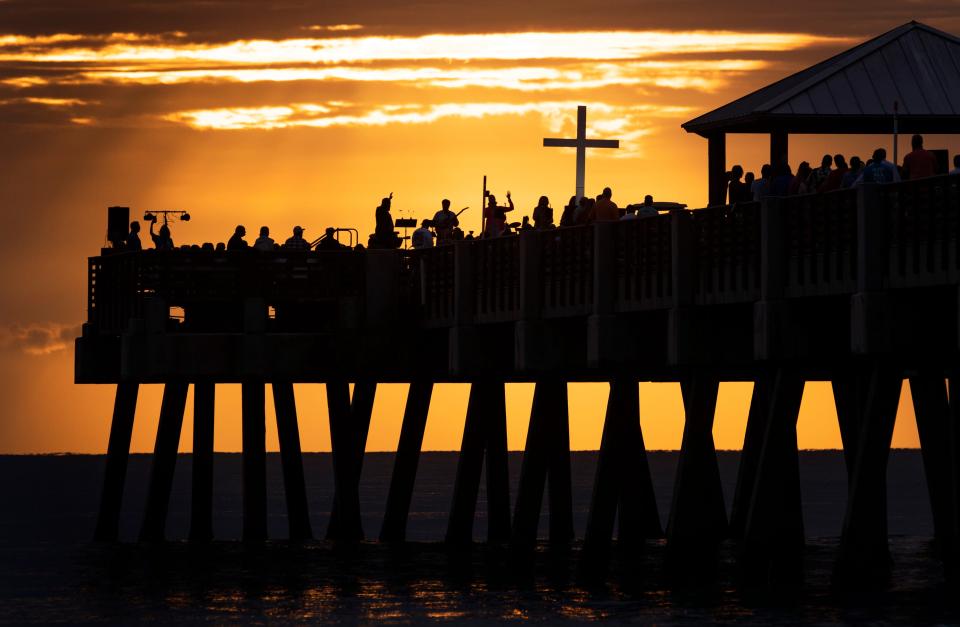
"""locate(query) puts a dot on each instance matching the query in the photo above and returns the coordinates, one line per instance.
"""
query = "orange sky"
(298, 114)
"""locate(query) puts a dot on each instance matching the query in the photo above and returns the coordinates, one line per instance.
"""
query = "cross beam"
(581, 143)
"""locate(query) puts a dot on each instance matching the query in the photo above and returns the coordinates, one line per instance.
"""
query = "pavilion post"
(779, 148)
(717, 168)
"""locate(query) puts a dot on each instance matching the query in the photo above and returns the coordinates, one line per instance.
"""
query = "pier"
(858, 287)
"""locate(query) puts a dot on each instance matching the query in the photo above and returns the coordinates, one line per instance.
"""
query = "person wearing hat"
(296, 241)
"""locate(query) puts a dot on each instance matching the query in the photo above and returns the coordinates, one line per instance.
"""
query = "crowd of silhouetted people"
(834, 173)
(444, 228)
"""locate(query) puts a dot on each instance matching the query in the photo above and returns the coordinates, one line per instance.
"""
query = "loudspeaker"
(118, 225)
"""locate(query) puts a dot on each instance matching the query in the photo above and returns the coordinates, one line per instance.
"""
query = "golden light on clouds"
(626, 121)
(592, 45)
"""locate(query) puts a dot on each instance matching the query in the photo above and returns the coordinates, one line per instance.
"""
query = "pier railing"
(727, 251)
(566, 271)
(644, 263)
(819, 236)
(795, 247)
(923, 230)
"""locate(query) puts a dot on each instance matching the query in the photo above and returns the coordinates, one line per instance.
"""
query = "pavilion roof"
(914, 65)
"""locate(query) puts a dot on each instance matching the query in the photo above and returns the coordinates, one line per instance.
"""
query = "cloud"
(335, 27)
(629, 123)
(589, 45)
(38, 338)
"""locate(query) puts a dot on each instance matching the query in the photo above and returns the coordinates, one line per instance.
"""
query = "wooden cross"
(581, 143)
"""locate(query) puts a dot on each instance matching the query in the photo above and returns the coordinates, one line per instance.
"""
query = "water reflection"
(426, 582)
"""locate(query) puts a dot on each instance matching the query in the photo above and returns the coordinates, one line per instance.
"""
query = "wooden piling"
(771, 550)
(484, 432)
(864, 555)
(405, 463)
(497, 468)
(953, 473)
(750, 455)
(118, 454)
(559, 481)
(932, 409)
(343, 443)
(253, 431)
(698, 518)
(164, 461)
(850, 395)
(291, 457)
(547, 454)
(622, 480)
(361, 409)
(201, 493)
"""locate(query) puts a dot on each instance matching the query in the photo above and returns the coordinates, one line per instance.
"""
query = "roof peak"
(922, 59)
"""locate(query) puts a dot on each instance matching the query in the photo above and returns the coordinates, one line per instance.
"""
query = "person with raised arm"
(496, 216)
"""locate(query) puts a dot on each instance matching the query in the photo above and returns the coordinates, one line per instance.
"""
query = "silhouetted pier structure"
(858, 287)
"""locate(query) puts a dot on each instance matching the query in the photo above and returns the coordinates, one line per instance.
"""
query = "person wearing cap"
(422, 237)
(296, 241)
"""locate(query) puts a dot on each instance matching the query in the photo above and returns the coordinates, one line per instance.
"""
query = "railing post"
(772, 254)
(769, 314)
(871, 239)
(464, 307)
(528, 331)
(531, 280)
(605, 340)
(680, 341)
(382, 286)
(604, 268)
(870, 328)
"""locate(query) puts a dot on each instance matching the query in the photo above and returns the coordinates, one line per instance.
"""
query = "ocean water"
(51, 572)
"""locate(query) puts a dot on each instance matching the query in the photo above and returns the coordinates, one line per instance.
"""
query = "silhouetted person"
(161, 240)
(296, 241)
(384, 236)
(496, 215)
(543, 214)
(819, 175)
(567, 217)
(236, 241)
(799, 183)
(422, 237)
(780, 183)
(133, 238)
(329, 240)
(221, 247)
(525, 224)
(264, 243)
(920, 163)
(630, 213)
(737, 190)
(647, 209)
(761, 186)
(748, 180)
(835, 179)
(584, 212)
(879, 170)
(856, 167)
(444, 221)
(956, 165)
(605, 210)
